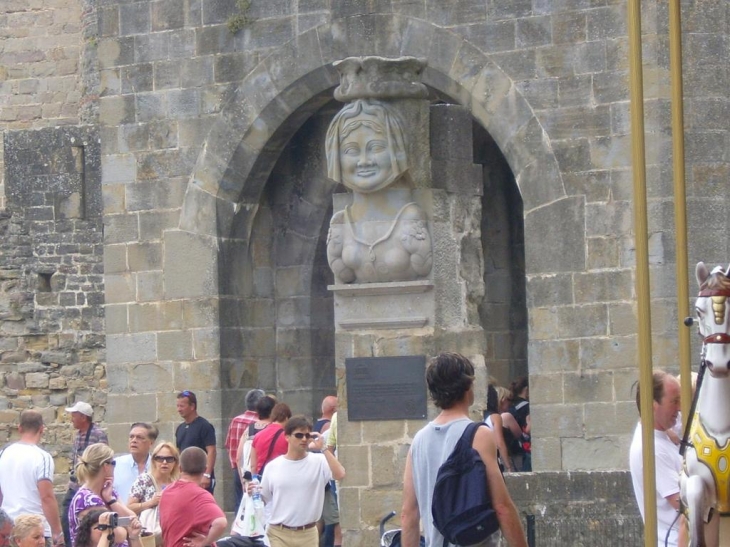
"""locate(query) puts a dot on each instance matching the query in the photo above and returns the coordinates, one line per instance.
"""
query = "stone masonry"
(146, 134)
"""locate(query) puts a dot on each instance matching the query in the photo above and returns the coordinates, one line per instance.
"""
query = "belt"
(297, 528)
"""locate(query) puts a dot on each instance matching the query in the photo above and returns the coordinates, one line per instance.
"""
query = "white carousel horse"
(705, 480)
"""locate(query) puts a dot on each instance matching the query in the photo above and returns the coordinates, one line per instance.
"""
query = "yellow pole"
(641, 231)
(680, 202)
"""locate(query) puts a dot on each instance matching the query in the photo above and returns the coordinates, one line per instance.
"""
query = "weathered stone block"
(136, 408)
(553, 356)
(144, 256)
(175, 346)
(561, 246)
(185, 277)
(581, 321)
(547, 388)
(120, 228)
(588, 387)
(206, 343)
(120, 288)
(603, 286)
(557, 420)
(599, 453)
(115, 317)
(608, 353)
(167, 15)
(36, 380)
(622, 318)
(356, 461)
(131, 348)
(201, 374)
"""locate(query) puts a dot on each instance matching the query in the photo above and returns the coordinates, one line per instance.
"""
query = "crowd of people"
(161, 492)
(284, 471)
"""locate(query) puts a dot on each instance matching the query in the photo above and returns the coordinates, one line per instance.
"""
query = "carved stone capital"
(380, 78)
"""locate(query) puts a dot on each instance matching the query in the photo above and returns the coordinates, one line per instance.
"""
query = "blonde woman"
(147, 488)
(28, 531)
(95, 471)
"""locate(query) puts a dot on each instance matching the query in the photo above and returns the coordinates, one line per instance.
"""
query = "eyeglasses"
(110, 462)
(301, 436)
(166, 459)
(102, 527)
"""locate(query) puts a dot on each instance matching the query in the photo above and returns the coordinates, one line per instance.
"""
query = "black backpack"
(462, 507)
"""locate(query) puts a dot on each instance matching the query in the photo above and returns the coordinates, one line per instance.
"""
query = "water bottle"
(258, 502)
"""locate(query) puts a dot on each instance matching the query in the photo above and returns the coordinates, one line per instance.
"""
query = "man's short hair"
(449, 377)
(190, 396)
(193, 460)
(265, 406)
(657, 380)
(152, 431)
(297, 422)
(31, 421)
(253, 397)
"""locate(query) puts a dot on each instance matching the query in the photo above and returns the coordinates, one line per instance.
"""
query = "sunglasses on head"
(301, 436)
(110, 462)
(166, 459)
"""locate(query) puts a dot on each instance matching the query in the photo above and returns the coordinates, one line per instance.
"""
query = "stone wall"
(193, 119)
(52, 343)
(40, 65)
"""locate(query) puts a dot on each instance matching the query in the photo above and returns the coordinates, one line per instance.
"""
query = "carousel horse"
(705, 479)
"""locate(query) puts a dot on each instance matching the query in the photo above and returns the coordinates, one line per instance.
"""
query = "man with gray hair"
(26, 477)
(238, 426)
(6, 529)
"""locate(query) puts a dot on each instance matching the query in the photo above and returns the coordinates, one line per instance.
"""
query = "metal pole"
(641, 231)
(680, 202)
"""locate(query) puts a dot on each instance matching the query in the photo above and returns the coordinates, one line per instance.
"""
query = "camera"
(115, 520)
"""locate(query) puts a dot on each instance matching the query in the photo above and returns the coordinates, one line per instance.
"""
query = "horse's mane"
(717, 280)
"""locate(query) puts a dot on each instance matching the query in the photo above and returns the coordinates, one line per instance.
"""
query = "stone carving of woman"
(383, 235)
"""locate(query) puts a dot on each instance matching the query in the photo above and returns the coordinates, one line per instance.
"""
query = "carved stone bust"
(383, 235)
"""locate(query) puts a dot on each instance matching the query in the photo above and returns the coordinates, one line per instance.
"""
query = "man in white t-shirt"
(293, 485)
(26, 477)
(667, 461)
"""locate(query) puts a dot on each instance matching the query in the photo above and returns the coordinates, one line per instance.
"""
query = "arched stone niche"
(222, 216)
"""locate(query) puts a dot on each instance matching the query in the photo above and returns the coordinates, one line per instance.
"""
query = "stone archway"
(283, 92)
(284, 89)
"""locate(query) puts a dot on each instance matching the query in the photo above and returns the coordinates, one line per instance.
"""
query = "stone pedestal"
(430, 312)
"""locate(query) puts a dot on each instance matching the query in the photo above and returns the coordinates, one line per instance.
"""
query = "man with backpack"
(450, 379)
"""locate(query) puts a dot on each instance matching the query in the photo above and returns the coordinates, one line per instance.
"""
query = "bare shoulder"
(484, 440)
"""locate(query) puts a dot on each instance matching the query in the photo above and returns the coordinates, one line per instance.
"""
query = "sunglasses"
(166, 459)
(301, 436)
(110, 462)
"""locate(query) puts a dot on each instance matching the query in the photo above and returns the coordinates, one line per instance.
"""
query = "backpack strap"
(521, 404)
(271, 449)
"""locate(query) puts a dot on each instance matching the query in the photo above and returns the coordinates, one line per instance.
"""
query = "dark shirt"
(319, 424)
(198, 433)
(520, 413)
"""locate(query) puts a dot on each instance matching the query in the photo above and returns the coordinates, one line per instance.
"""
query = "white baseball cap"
(84, 408)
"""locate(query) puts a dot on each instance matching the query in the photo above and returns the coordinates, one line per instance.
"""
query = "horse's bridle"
(717, 337)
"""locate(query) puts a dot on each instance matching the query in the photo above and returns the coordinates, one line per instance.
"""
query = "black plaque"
(386, 388)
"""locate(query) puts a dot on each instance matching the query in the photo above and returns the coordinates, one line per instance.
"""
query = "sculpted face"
(365, 156)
